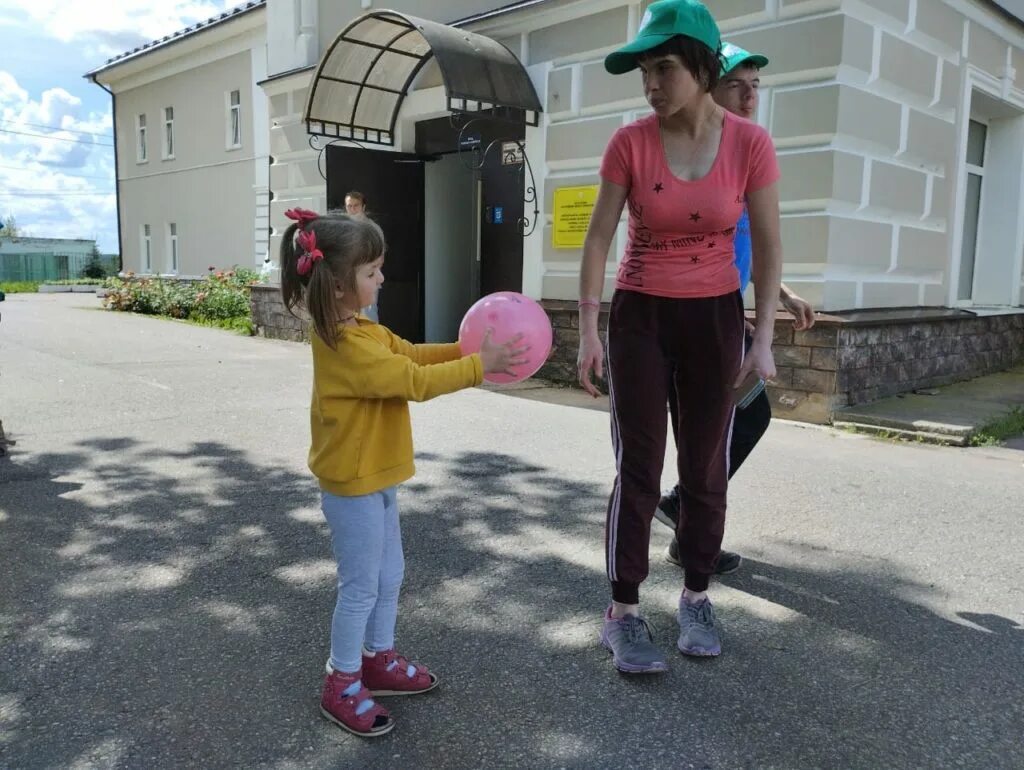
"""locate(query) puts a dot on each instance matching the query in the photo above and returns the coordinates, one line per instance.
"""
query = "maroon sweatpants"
(702, 341)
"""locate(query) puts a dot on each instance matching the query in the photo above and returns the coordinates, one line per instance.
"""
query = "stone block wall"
(883, 360)
(272, 319)
(851, 359)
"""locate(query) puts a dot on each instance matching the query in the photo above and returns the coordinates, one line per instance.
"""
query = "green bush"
(19, 287)
(220, 299)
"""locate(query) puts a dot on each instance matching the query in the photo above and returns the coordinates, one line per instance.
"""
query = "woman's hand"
(758, 359)
(502, 358)
(590, 358)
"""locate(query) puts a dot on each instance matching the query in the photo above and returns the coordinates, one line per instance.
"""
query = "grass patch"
(997, 431)
(240, 325)
(19, 287)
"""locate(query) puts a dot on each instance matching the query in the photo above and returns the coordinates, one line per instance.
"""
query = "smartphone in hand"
(751, 387)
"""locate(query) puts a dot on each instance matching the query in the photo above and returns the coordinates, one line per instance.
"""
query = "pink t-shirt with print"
(681, 233)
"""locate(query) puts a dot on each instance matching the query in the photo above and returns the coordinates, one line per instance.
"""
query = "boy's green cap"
(734, 56)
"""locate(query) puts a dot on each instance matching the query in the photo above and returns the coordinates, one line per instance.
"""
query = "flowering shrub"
(220, 299)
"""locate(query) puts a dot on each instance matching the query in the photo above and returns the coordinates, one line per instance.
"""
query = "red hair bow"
(310, 253)
(302, 216)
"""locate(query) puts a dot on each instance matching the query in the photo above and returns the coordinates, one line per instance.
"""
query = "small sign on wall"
(572, 209)
(511, 154)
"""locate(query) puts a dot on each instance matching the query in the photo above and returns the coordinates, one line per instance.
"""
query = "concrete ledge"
(927, 437)
(54, 288)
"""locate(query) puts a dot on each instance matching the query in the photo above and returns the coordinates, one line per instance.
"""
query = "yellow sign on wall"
(573, 207)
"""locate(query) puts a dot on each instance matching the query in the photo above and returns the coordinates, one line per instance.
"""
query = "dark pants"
(697, 345)
(747, 426)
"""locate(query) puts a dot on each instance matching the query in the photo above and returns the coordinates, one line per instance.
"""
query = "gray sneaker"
(698, 633)
(632, 645)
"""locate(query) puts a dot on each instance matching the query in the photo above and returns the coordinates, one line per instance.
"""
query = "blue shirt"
(742, 249)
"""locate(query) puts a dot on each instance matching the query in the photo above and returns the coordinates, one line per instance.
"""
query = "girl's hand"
(590, 358)
(501, 358)
(758, 359)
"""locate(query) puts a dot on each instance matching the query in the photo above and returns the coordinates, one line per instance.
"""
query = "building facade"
(899, 126)
(44, 259)
(191, 143)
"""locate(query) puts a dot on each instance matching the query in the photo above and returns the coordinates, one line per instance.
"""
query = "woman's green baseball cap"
(662, 21)
(733, 56)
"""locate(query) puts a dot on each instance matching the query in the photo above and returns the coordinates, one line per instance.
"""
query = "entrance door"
(500, 205)
(393, 185)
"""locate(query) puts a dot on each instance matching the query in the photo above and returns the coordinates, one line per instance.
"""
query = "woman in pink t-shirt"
(684, 173)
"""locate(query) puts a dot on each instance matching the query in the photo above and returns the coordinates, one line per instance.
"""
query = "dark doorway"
(501, 192)
(393, 185)
(476, 247)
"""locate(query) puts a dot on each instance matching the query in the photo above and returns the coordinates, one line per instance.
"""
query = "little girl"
(363, 378)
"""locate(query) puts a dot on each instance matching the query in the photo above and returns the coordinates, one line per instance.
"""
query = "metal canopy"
(359, 86)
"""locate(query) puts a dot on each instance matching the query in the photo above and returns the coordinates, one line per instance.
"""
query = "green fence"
(48, 266)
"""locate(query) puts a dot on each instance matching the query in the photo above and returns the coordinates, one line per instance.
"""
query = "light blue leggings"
(367, 542)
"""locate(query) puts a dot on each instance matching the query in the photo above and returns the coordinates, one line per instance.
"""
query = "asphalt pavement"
(167, 580)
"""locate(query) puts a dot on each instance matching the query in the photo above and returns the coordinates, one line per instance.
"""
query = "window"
(147, 250)
(234, 119)
(987, 243)
(140, 149)
(168, 132)
(974, 165)
(172, 248)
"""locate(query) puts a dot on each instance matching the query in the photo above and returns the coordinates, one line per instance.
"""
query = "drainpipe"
(117, 171)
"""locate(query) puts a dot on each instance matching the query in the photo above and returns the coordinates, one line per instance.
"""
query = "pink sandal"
(346, 701)
(388, 673)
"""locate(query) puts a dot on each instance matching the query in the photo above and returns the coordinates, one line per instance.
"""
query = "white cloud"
(61, 184)
(56, 165)
(113, 26)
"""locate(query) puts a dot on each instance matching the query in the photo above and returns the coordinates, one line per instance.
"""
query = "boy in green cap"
(737, 92)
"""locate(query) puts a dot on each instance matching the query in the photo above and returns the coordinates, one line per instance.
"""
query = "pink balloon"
(508, 314)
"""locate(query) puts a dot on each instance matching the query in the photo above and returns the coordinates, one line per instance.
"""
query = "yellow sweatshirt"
(361, 431)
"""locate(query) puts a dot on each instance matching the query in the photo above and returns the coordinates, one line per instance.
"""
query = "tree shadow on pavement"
(170, 607)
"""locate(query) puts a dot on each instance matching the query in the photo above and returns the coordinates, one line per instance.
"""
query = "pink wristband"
(591, 302)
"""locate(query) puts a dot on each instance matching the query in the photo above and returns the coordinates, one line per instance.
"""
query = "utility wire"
(55, 138)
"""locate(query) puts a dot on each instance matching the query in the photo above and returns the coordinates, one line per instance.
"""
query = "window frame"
(141, 139)
(999, 258)
(971, 169)
(172, 248)
(233, 117)
(146, 249)
(168, 138)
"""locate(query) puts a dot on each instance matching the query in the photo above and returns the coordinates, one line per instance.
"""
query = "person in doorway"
(737, 92)
(685, 172)
(355, 203)
(363, 378)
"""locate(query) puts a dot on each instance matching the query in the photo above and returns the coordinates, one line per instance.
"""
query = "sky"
(56, 135)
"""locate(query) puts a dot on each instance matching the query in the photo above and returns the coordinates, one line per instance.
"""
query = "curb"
(934, 433)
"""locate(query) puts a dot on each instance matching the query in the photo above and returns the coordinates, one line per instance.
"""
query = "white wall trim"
(536, 147)
(538, 17)
(989, 20)
(181, 170)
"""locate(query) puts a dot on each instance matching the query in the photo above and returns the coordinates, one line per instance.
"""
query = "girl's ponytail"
(291, 282)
